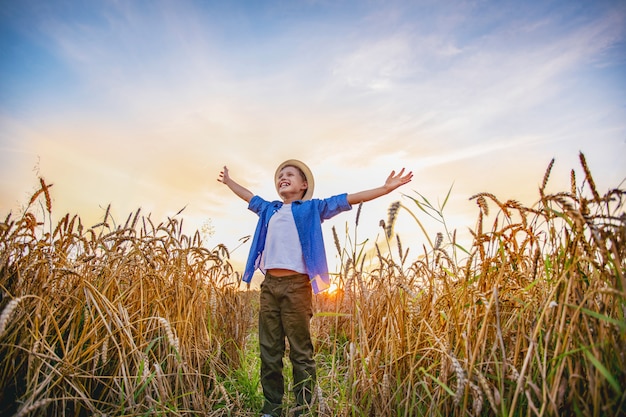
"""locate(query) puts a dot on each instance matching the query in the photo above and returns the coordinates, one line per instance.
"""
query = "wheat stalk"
(105, 350)
(392, 214)
(484, 384)
(546, 175)
(324, 409)
(46, 193)
(8, 312)
(461, 380)
(477, 398)
(34, 406)
(358, 214)
(592, 184)
(171, 337)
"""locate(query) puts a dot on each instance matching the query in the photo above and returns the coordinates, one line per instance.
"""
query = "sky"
(139, 104)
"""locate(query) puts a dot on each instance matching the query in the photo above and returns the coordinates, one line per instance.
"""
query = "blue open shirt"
(308, 216)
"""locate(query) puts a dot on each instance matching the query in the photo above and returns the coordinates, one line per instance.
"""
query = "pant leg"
(272, 348)
(297, 311)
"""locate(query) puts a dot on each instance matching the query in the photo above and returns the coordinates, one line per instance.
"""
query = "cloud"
(158, 98)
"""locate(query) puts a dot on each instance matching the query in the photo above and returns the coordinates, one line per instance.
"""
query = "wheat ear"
(7, 313)
(171, 337)
(29, 409)
(461, 381)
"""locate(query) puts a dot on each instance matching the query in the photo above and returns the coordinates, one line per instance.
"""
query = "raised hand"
(394, 181)
(239, 190)
(224, 177)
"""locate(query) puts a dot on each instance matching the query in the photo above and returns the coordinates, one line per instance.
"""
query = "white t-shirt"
(283, 249)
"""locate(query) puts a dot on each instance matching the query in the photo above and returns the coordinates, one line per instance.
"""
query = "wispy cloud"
(156, 99)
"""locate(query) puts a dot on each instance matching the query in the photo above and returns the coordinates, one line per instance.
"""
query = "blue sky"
(140, 103)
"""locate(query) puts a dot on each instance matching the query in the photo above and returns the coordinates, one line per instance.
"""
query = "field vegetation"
(140, 319)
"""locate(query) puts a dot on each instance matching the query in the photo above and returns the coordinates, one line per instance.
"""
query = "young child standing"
(288, 248)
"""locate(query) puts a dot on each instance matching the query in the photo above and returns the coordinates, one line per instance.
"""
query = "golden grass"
(141, 319)
(115, 320)
(530, 322)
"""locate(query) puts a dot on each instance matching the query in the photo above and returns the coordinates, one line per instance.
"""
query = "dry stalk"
(477, 398)
(484, 384)
(324, 409)
(169, 332)
(26, 410)
(461, 380)
(7, 313)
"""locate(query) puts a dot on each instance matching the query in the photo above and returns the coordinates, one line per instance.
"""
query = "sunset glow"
(332, 289)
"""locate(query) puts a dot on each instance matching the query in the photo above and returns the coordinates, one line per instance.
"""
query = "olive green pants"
(286, 311)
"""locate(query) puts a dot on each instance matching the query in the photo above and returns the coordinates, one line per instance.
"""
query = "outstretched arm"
(239, 190)
(393, 181)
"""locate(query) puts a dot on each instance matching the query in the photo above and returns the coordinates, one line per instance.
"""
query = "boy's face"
(291, 183)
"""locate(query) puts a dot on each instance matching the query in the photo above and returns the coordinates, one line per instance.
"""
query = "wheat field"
(139, 319)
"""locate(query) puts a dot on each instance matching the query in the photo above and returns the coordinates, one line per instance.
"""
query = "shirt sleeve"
(330, 207)
(257, 204)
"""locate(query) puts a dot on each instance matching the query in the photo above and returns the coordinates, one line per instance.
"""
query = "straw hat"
(307, 173)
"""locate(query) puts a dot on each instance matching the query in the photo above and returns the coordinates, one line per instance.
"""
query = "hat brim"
(307, 173)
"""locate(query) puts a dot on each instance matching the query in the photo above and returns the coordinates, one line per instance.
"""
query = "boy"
(288, 247)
